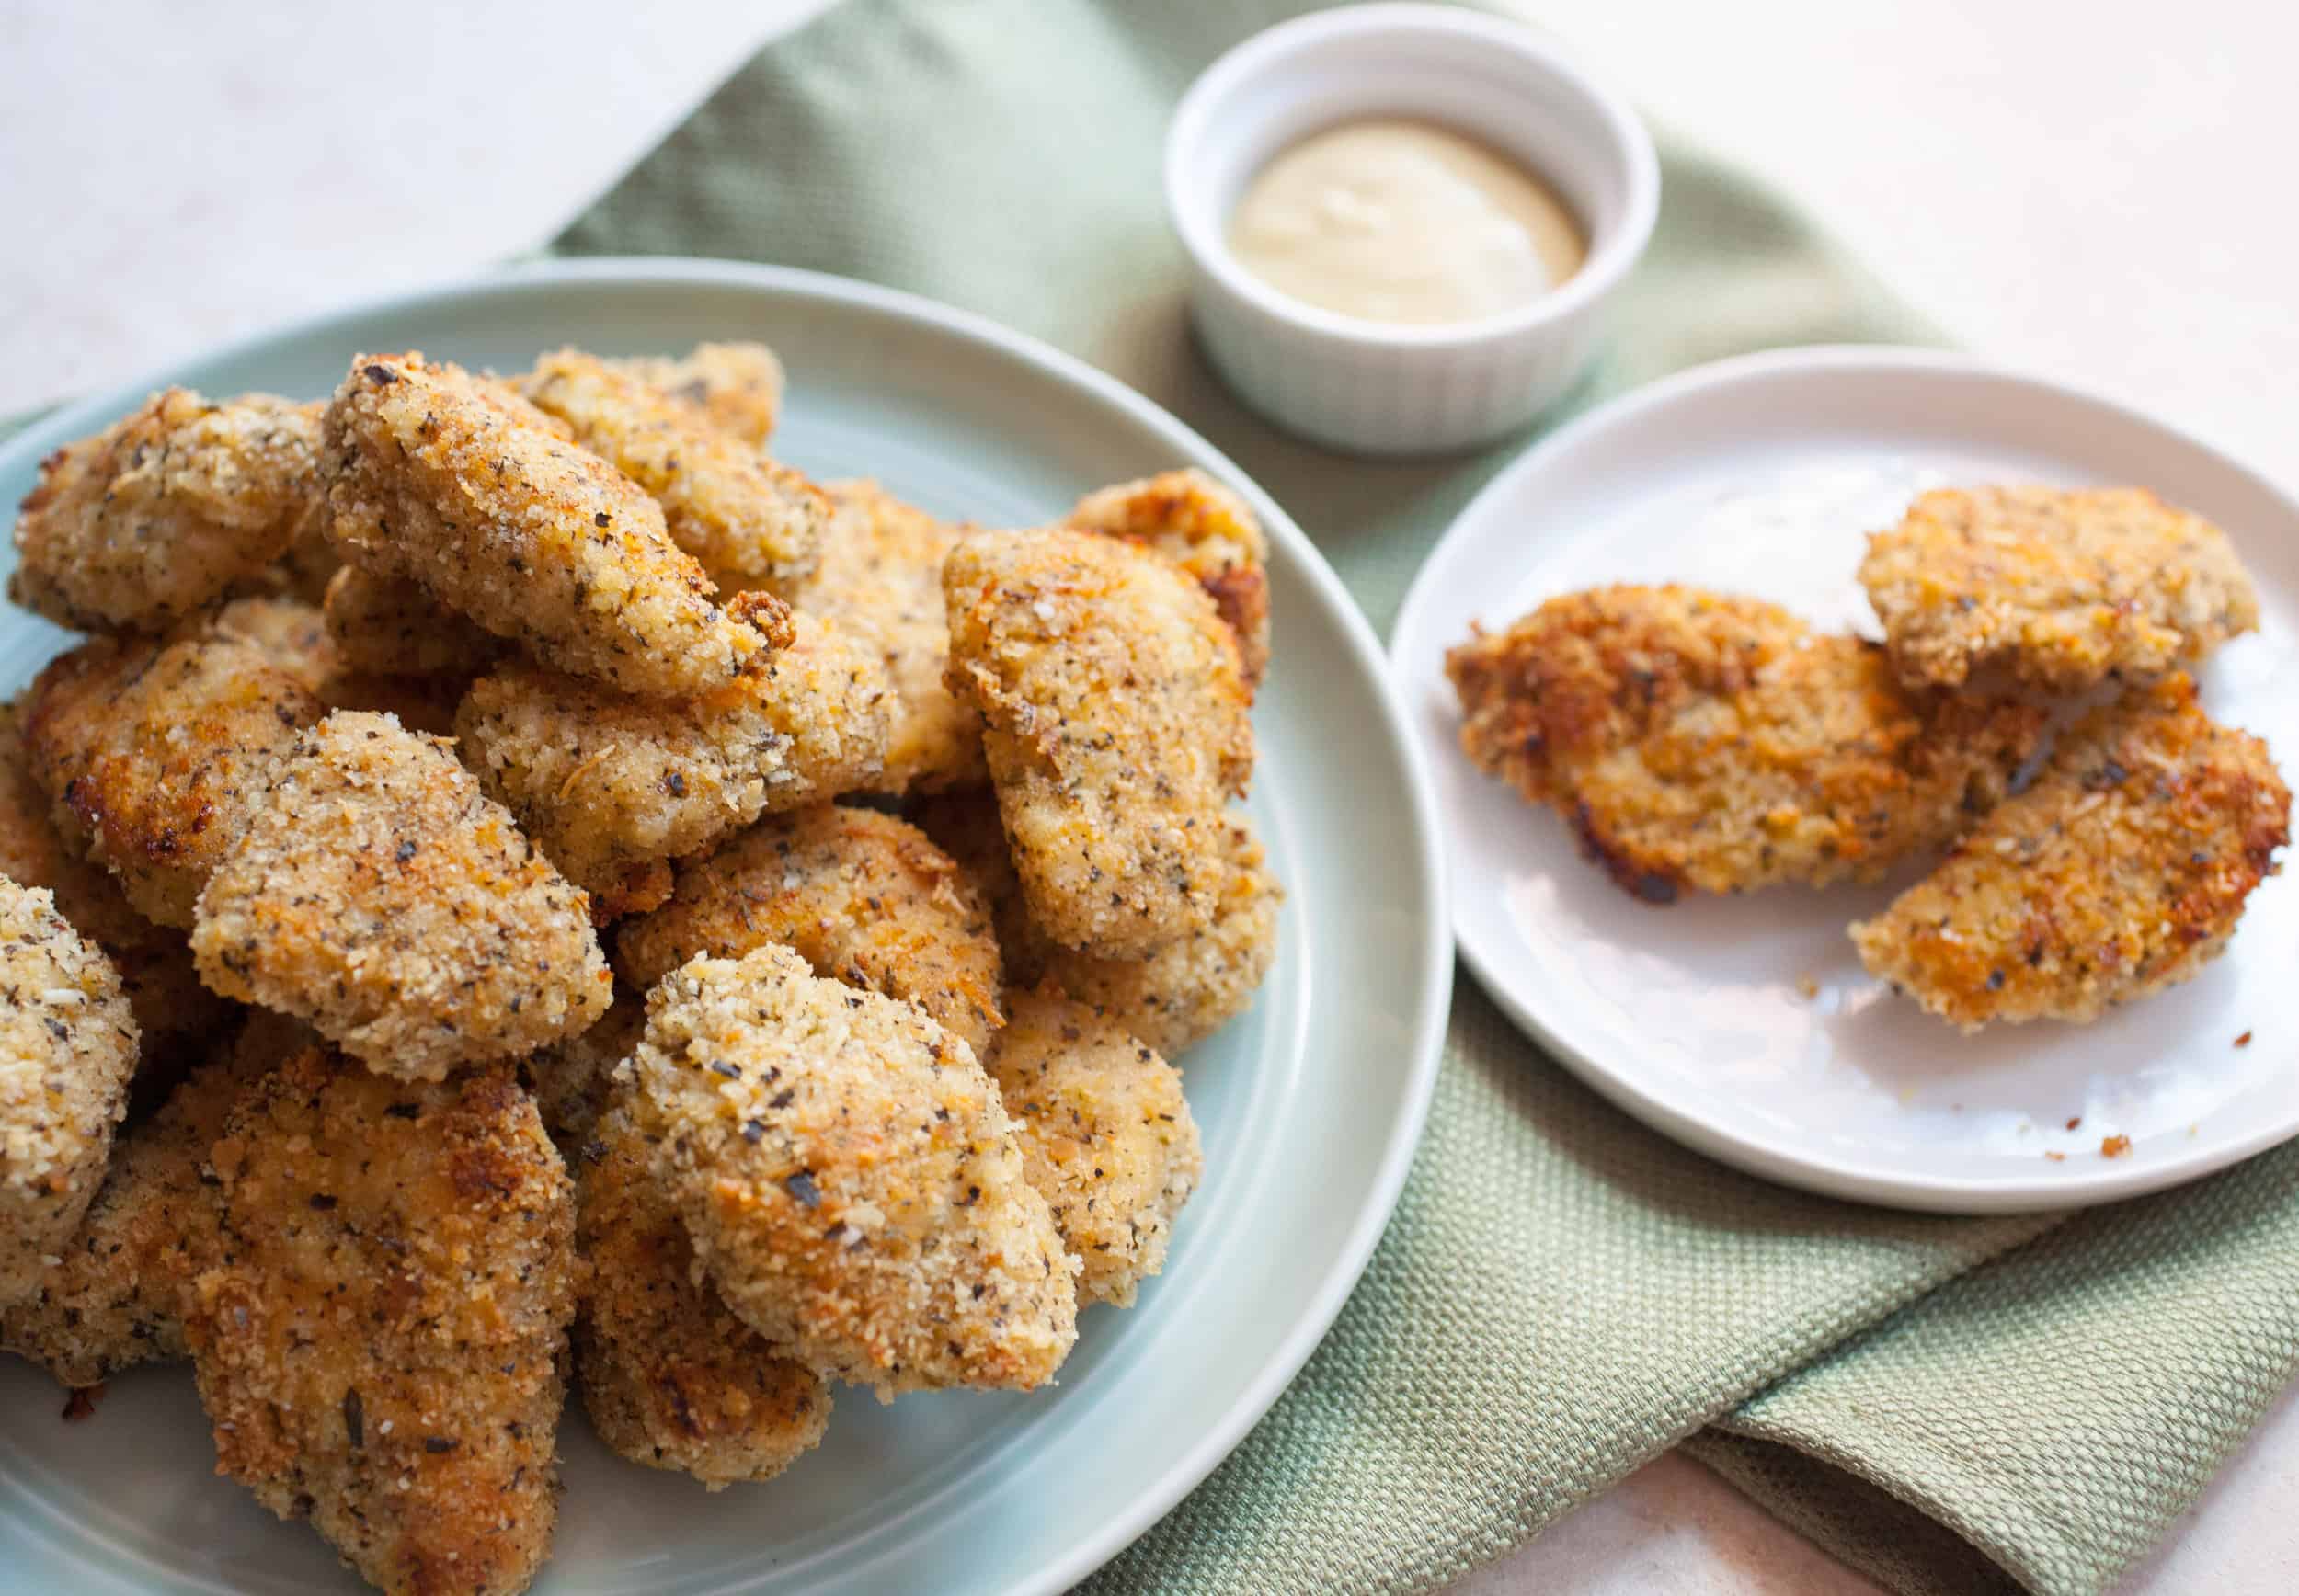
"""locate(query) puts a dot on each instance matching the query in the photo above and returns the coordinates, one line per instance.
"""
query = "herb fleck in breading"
(2121, 872)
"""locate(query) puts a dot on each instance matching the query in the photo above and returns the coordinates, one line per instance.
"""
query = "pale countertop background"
(2096, 192)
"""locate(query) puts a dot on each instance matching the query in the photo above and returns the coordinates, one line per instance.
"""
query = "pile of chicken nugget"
(519, 882)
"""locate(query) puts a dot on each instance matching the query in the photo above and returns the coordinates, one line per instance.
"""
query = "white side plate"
(1746, 1027)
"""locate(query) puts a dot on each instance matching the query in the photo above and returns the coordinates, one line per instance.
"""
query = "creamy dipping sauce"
(1398, 220)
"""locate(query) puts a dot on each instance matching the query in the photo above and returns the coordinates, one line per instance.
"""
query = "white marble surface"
(2096, 191)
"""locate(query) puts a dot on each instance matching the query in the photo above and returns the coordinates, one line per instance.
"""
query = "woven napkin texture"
(1949, 1405)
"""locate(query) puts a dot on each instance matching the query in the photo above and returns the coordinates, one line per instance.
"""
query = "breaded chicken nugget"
(603, 781)
(880, 580)
(392, 626)
(288, 632)
(165, 509)
(1106, 1137)
(117, 1296)
(381, 1348)
(670, 1378)
(67, 1047)
(435, 475)
(737, 386)
(381, 897)
(2065, 588)
(751, 522)
(2121, 872)
(573, 1080)
(156, 752)
(422, 703)
(864, 897)
(849, 1179)
(155, 963)
(311, 561)
(1115, 721)
(1702, 741)
(1210, 532)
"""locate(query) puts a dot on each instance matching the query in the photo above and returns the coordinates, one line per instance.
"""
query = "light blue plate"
(1310, 1104)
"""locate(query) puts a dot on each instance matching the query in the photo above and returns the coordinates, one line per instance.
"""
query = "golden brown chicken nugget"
(738, 386)
(751, 523)
(422, 703)
(164, 509)
(573, 1080)
(380, 1350)
(849, 1179)
(288, 632)
(2121, 871)
(670, 1378)
(392, 626)
(864, 897)
(67, 1047)
(1115, 723)
(163, 987)
(1697, 740)
(117, 1296)
(156, 752)
(435, 475)
(381, 897)
(603, 781)
(881, 580)
(1106, 1137)
(2063, 587)
(1205, 528)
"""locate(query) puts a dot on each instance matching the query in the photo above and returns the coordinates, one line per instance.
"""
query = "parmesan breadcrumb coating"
(157, 753)
(737, 386)
(164, 509)
(670, 1378)
(67, 1047)
(380, 1347)
(392, 626)
(1172, 999)
(864, 897)
(1106, 1137)
(117, 1299)
(751, 523)
(1701, 741)
(1205, 528)
(381, 897)
(849, 1179)
(2065, 588)
(435, 474)
(155, 963)
(2121, 872)
(880, 580)
(1116, 722)
(603, 781)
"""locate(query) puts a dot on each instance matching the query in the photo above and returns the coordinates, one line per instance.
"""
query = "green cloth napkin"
(1949, 1405)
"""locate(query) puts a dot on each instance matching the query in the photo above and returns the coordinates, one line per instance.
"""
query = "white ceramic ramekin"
(1371, 387)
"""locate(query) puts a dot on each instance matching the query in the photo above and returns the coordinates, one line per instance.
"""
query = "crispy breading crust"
(119, 1296)
(1697, 740)
(392, 626)
(881, 580)
(1175, 998)
(864, 897)
(573, 1080)
(155, 963)
(381, 897)
(165, 509)
(157, 752)
(603, 781)
(289, 632)
(1115, 720)
(2065, 588)
(1205, 528)
(381, 1348)
(670, 1378)
(751, 523)
(1106, 1137)
(67, 1047)
(2121, 871)
(434, 474)
(849, 1179)
(738, 386)
(423, 704)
